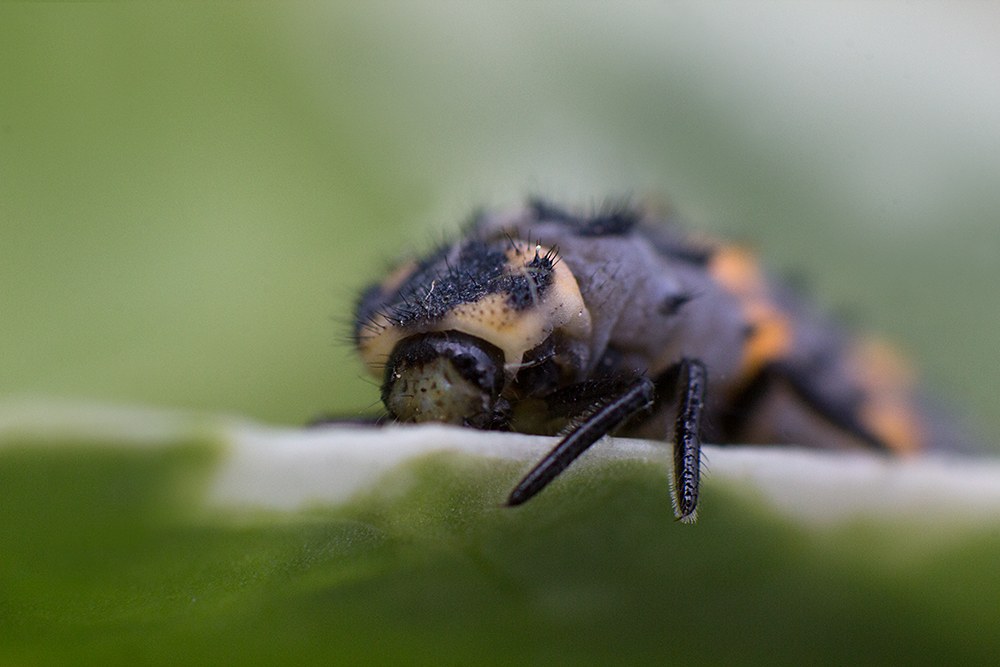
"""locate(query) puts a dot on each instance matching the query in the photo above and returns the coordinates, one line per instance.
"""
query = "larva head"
(446, 333)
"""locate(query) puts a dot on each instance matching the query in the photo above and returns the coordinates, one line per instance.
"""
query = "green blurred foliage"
(191, 194)
(181, 224)
(427, 568)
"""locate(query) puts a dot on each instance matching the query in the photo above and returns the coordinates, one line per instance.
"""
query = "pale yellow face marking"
(490, 318)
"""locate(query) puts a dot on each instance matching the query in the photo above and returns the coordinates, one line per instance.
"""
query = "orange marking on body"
(888, 409)
(894, 422)
(737, 270)
(771, 340)
(879, 365)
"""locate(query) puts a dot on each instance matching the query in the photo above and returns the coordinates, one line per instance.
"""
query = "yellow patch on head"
(515, 331)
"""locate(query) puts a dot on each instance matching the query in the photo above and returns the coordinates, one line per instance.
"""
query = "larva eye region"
(444, 376)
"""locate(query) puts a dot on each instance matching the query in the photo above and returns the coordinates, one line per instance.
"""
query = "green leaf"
(194, 541)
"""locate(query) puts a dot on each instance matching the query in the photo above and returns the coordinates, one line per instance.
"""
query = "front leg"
(687, 382)
(628, 400)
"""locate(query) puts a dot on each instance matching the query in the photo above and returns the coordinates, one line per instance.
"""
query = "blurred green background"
(192, 194)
